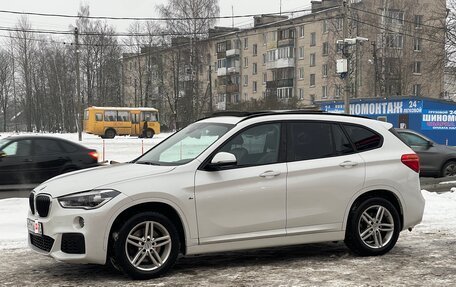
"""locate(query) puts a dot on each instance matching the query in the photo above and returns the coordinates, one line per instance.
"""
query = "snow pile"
(439, 215)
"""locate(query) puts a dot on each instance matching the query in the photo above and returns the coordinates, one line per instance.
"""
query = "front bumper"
(63, 237)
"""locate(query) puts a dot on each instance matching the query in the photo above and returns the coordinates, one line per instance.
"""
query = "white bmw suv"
(231, 182)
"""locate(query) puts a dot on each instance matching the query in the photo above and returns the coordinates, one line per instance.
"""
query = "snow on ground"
(439, 215)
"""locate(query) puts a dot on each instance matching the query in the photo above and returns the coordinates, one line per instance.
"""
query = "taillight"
(412, 161)
(94, 155)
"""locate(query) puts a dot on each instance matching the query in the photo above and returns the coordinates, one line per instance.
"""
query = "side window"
(18, 148)
(99, 117)
(258, 145)
(309, 140)
(69, 147)
(413, 140)
(363, 138)
(41, 147)
(341, 142)
(123, 116)
(110, 116)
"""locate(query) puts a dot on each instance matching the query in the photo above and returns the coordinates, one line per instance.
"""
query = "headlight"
(88, 199)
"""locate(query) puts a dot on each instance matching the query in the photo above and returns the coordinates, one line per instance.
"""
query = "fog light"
(78, 222)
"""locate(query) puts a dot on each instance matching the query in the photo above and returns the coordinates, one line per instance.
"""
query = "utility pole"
(78, 86)
(374, 54)
(347, 77)
(210, 90)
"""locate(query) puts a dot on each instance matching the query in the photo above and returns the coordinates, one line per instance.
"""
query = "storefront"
(433, 118)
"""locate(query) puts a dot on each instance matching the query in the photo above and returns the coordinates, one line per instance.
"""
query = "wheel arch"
(160, 207)
(445, 162)
(381, 193)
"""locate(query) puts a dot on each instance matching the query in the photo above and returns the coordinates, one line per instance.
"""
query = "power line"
(143, 18)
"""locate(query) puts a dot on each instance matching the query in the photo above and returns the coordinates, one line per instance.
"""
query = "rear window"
(394, 132)
(363, 138)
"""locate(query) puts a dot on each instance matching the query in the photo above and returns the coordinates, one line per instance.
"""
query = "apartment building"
(295, 58)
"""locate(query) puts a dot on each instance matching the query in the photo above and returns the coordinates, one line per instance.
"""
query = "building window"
(418, 21)
(301, 73)
(417, 67)
(246, 43)
(324, 92)
(254, 86)
(325, 26)
(312, 60)
(325, 49)
(254, 69)
(246, 62)
(246, 80)
(284, 93)
(417, 90)
(255, 49)
(285, 53)
(313, 39)
(271, 57)
(265, 39)
(337, 92)
(301, 52)
(312, 80)
(393, 17)
(265, 78)
(324, 70)
(301, 31)
(301, 94)
(417, 44)
(264, 59)
(395, 41)
(339, 24)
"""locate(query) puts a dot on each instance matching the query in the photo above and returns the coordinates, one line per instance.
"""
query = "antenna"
(232, 16)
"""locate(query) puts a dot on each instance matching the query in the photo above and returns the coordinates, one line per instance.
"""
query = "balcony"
(232, 53)
(271, 45)
(286, 42)
(234, 70)
(284, 83)
(221, 72)
(221, 55)
(230, 89)
(221, 89)
(281, 63)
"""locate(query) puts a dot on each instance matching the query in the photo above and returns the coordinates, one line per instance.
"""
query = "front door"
(16, 165)
(135, 128)
(246, 200)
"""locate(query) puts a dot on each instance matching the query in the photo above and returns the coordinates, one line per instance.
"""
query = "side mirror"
(222, 159)
(430, 144)
(2, 154)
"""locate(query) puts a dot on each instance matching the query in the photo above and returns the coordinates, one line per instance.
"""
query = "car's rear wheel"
(147, 246)
(449, 169)
(150, 133)
(373, 227)
(109, 134)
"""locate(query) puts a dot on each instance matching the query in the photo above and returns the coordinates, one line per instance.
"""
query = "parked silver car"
(436, 160)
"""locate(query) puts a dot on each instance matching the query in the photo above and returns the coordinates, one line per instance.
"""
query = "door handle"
(270, 174)
(348, 164)
(27, 160)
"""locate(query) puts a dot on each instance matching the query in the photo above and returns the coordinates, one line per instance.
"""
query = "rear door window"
(363, 138)
(309, 140)
(46, 146)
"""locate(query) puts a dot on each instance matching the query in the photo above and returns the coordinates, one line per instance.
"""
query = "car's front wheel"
(147, 245)
(373, 227)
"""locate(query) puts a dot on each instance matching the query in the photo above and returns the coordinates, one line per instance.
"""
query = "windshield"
(185, 145)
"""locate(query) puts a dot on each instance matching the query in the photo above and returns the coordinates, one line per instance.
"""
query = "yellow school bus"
(108, 122)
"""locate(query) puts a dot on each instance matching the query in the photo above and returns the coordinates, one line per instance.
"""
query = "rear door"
(49, 159)
(324, 173)
(17, 165)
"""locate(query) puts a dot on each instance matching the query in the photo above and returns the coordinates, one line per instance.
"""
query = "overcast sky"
(131, 8)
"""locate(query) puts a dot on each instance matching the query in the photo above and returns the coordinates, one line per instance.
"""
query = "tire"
(109, 134)
(145, 257)
(373, 227)
(449, 169)
(149, 133)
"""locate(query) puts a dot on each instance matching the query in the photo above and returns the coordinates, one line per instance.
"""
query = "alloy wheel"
(376, 227)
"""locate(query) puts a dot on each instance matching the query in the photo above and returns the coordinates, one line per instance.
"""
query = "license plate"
(34, 226)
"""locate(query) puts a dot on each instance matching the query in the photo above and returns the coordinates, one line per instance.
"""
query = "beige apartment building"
(393, 48)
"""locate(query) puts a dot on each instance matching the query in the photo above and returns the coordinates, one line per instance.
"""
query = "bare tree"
(5, 84)
(191, 20)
